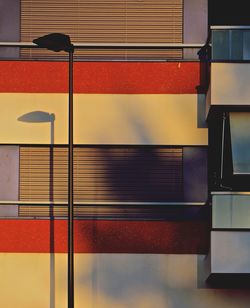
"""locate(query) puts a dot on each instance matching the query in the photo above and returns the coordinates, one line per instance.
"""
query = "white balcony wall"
(231, 211)
(230, 252)
(230, 84)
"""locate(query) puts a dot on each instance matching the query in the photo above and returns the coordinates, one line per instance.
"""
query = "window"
(105, 21)
(240, 140)
(228, 44)
(108, 173)
(101, 174)
(229, 154)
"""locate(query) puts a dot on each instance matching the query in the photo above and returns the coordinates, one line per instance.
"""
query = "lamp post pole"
(70, 189)
(57, 42)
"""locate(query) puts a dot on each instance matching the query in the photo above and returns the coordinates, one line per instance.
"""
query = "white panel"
(241, 212)
(230, 252)
(231, 211)
(221, 211)
(230, 84)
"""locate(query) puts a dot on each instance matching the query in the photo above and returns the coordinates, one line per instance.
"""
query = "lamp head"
(55, 42)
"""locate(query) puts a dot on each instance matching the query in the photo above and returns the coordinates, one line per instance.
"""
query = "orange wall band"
(101, 77)
(94, 236)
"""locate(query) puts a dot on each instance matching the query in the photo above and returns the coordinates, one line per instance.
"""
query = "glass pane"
(236, 44)
(240, 139)
(220, 44)
(246, 46)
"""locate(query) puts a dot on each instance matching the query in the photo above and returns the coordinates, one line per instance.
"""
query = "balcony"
(228, 262)
(230, 68)
(228, 111)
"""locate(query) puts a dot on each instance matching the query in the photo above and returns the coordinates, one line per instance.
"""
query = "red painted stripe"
(100, 77)
(105, 236)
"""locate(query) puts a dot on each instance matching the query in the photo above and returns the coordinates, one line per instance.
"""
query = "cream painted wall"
(111, 281)
(230, 84)
(104, 119)
(15, 105)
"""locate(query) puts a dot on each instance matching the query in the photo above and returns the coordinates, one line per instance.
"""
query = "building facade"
(142, 180)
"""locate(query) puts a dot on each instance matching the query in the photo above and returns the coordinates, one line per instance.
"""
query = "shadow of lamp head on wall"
(40, 117)
(37, 117)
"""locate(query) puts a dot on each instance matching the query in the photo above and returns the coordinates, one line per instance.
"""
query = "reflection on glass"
(240, 140)
(231, 44)
(236, 45)
(220, 44)
(246, 45)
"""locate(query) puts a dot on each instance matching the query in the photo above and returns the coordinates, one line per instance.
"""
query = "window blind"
(104, 21)
(101, 174)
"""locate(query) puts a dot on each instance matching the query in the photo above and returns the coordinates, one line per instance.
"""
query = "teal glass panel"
(236, 44)
(220, 45)
(246, 45)
(240, 140)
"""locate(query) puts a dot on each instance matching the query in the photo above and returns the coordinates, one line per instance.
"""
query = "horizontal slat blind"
(43, 174)
(128, 174)
(108, 174)
(104, 21)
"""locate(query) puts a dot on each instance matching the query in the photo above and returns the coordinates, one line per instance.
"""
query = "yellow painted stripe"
(111, 281)
(101, 280)
(150, 119)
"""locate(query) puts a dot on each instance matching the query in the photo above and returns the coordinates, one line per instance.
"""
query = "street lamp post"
(58, 42)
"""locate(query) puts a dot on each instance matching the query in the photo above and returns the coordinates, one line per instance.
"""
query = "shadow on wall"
(150, 237)
(165, 281)
(45, 117)
(40, 117)
(144, 174)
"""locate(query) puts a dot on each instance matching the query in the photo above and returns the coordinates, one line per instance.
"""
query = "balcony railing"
(230, 43)
(110, 51)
